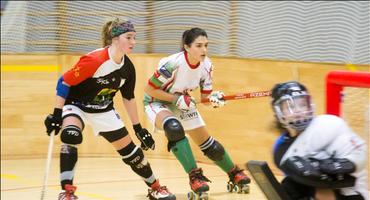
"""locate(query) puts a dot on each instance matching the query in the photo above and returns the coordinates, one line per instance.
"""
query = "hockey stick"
(48, 163)
(244, 96)
(266, 180)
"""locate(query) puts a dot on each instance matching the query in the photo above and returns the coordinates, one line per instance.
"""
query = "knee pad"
(174, 130)
(213, 149)
(133, 155)
(71, 135)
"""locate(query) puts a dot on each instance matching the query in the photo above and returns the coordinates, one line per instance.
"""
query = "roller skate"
(238, 181)
(68, 193)
(158, 192)
(198, 185)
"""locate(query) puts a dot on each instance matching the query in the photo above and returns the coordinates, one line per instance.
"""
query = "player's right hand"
(217, 99)
(53, 122)
(184, 102)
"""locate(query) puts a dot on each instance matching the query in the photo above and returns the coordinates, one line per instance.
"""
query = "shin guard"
(134, 157)
(183, 153)
(216, 152)
(68, 160)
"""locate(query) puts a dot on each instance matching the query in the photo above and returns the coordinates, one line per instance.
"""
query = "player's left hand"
(146, 139)
(217, 99)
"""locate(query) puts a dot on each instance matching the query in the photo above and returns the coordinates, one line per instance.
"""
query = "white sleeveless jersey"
(175, 75)
(327, 136)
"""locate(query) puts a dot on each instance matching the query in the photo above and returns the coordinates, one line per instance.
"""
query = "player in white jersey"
(321, 156)
(170, 107)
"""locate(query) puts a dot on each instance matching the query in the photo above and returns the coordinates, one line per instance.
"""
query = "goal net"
(348, 96)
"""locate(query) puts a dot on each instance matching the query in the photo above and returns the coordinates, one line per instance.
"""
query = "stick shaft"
(244, 95)
(48, 165)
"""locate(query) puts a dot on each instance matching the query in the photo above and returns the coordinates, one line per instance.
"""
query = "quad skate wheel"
(230, 187)
(237, 189)
(245, 189)
(202, 196)
(191, 196)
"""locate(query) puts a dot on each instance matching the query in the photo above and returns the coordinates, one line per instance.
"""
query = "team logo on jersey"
(188, 115)
(76, 71)
(164, 71)
(102, 81)
(104, 97)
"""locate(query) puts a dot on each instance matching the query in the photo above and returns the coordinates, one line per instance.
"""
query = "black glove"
(307, 171)
(302, 166)
(53, 122)
(337, 166)
(145, 137)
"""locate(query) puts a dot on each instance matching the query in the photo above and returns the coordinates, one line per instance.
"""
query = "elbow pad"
(62, 88)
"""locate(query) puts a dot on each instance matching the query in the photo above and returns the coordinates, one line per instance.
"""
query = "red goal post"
(336, 80)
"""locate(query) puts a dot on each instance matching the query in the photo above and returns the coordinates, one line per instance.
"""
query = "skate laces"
(162, 190)
(69, 191)
(156, 188)
(237, 175)
(197, 174)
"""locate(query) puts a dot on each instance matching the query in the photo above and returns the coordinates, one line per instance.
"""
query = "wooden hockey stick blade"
(247, 95)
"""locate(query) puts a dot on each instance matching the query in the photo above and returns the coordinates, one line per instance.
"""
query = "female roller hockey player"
(321, 156)
(85, 95)
(170, 107)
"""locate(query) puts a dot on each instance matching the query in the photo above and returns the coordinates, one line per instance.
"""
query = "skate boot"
(158, 192)
(238, 181)
(68, 193)
(198, 185)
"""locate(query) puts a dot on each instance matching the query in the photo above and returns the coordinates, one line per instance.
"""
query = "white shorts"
(100, 122)
(189, 120)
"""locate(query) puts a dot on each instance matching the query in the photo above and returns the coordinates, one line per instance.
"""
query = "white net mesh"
(355, 107)
(321, 31)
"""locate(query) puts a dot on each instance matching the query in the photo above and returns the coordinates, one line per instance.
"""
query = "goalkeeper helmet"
(292, 105)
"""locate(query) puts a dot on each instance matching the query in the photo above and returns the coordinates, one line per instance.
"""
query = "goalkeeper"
(321, 156)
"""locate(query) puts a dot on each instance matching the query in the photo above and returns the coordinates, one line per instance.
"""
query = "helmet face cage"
(292, 106)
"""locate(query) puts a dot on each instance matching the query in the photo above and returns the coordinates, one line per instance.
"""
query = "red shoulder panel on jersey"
(86, 67)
